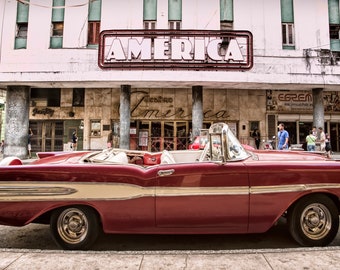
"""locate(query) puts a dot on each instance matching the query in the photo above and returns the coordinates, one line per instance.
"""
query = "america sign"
(175, 49)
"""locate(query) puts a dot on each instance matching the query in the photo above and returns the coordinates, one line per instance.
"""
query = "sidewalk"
(277, 259)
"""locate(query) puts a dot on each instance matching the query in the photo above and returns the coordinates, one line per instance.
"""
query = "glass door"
(156, 139)
(159, 136)
(168, 142)
(47, 136)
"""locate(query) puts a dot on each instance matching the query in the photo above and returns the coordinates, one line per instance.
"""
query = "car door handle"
(166, 172)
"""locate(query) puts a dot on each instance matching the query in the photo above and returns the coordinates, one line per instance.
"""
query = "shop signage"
(44, 111)
(174, 49)
(300, 101)
(144, 107)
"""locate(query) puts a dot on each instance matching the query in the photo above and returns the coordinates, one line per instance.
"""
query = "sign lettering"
(143, 49)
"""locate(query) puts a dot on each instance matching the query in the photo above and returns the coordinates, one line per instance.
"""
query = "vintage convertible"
(222, 189)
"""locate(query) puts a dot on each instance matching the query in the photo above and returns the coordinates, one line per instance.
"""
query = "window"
(334, 31)
(57, 29)
(175, 25)
(149, 25)
(226, 11)
(42, 97)
(94, 23)
(22, 30)
(334, 24)
(287, 19)
(288, 34)
(150, 14)
(93, 33)
(225, 25)
(78, 97)
(150, 10)
(57, 26)
(226, 16)
(22, 26)
(95, 128)
(175, 14)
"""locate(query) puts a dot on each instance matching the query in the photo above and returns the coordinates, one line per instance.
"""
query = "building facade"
(162, 69)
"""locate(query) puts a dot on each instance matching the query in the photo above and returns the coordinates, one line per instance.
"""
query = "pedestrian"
(74, 140)
(310, 139)
(328, 146)
(315, 132)
(29, 145)
(322, 139)
(110, 140)
(283, 137)
(257, 137)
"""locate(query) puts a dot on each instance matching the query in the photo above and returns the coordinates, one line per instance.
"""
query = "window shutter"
(226, 10)
(58, 13)
(150, 10)
(333, 11)
(175, 10)
(95, 8)
(22, 12)
(287, 11)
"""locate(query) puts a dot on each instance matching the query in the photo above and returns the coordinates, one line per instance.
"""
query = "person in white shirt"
(322, 139)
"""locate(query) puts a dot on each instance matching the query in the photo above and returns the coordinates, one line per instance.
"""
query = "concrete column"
(17, 121)
(125, 115)
(318, 108)
(197, 110)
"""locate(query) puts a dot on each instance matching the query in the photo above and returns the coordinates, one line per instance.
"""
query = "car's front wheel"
(314, 221)
(75, 227)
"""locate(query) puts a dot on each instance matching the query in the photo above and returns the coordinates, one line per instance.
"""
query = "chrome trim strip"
(10, 191)
(29, 191)
(292, 188)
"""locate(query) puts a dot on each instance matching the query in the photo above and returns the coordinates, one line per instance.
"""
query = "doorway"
(47, 136)
(162, 135)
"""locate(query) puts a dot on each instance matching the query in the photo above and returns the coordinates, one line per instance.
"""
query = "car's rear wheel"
(75, 227)
(314, 221)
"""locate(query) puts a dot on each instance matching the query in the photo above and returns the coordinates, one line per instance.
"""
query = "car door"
(202, 195)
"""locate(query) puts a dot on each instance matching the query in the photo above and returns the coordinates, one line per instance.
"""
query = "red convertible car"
(222, 189)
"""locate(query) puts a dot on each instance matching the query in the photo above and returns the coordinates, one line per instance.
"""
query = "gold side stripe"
(19, 191)
(200, 191)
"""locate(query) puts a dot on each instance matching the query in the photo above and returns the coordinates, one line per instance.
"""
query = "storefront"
(160, 118)
(295, 110)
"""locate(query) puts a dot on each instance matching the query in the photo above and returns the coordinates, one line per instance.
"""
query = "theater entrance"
(157, 136)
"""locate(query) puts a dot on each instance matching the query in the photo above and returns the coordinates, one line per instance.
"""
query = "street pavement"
(257, 259)
(272, 259)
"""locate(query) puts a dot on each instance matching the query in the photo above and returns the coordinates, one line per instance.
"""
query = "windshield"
(235, 150)
(225, 145)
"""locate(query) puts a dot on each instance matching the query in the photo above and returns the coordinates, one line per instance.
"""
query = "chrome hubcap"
(72, 225)
(316, 221)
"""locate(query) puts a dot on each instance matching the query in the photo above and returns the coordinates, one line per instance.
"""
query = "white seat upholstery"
(167, 158)
(121, 157)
